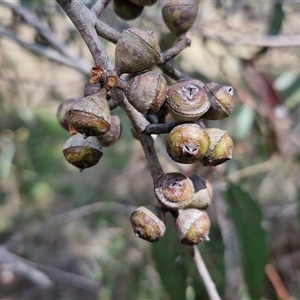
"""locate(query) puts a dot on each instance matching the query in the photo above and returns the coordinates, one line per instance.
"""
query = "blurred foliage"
(75, 226)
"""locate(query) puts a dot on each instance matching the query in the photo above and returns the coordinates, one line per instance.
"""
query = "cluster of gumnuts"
(92, 125)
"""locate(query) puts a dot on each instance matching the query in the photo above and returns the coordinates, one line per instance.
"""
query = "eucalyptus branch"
(160, 128)
(173, 73)
(182, 43)
(139, 123)
(106, 32)
(99, 7)
(84, 21)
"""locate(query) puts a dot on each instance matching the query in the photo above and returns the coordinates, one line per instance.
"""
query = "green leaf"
(275, 24)
(245, 119)
(176, 267)
(248, 218)
(170, 256)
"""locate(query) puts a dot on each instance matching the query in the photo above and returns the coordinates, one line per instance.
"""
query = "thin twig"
(99, 7)
(278, 285)
(160, 128)
(182, 43)
(201, 267)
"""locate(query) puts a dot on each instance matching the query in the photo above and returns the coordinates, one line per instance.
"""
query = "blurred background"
(67, 235)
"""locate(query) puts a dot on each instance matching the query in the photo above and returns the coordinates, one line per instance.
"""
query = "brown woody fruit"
(192, 226)
(187, 101)
(174, 190)
(82, 153)
(136, 51)
(62, 112)
(113, 134)
(220, 149)
(127, 10)
(187, 143)
(180, 15)
(203, 192)
(147, 92)
(91, 115)
(221, 101)
(144, 2)
(148, 222)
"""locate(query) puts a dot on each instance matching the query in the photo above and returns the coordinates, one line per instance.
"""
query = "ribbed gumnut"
(113, 134)
(174, 190)
(82, 153)
(91, 115)
(147, 92)
(203, 192)
(127, 10)
(192, 226)
(220, 149)
(144, 2)
(136, 51)
(62, 112)
(221, 101)
(148, 222)
(180, 15)
(187, 101)
(187, 143)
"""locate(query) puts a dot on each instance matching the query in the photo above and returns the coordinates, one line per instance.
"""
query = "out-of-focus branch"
(18, 266)
(37, 272)
(281, 291)
(260, 41)
(31, 20)
(85, 210)
(83, 67)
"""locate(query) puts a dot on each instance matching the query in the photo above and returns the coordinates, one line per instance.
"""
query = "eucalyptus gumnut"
(192, 226)
(187, 101)
(180, 15)
(91, 88)
(174, 190)
(203, 192)
(136, 51)
(91, 115)
(62, 112)
(220, 149)
(221, 99)
(113, 134)
(148, 222)
(147, 92)
(127, 10)
(82, 153)
(187, 143)
(144, 2)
